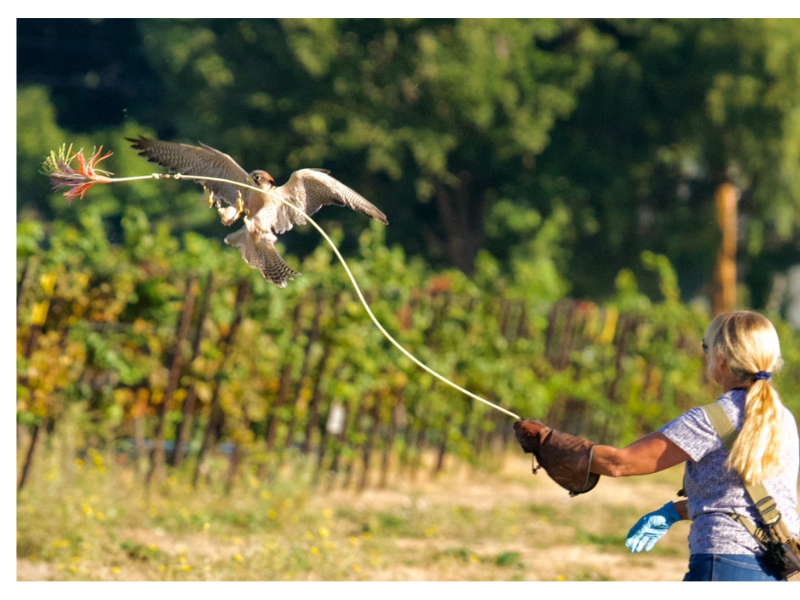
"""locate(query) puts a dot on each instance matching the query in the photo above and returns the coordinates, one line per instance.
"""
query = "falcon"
(265, 216)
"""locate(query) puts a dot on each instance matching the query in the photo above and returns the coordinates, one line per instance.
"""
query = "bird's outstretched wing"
(311, 189)
(196, 160)
(259, 252)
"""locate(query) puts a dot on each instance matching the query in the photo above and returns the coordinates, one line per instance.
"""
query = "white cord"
(349, 274)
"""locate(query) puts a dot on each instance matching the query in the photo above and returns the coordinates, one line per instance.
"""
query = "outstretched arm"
(650, 454)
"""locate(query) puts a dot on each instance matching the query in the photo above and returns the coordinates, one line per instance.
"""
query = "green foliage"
(110, 312)
(518, 160)
(507, 559)
(598, 138)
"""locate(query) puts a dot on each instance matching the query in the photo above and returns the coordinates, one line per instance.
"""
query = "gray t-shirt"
(713, 490)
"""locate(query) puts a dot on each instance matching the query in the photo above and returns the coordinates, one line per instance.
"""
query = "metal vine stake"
(58, 167)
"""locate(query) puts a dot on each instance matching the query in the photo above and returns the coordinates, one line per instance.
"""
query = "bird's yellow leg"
(240, 204)
(210, 196)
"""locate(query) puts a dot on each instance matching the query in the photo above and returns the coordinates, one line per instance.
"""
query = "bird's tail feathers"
(262, 256)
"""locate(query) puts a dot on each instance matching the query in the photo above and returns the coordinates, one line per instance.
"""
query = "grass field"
(88, 520)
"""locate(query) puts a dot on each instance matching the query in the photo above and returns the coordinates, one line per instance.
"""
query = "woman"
(742, 353)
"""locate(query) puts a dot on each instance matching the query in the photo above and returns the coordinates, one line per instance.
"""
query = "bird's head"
(262, 179)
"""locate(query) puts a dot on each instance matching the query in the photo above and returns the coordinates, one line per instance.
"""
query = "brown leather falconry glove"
(565, 458)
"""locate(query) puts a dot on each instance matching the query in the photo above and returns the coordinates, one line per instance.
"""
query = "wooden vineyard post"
(550, 333)
(332, 435)
(354, 425)
(142, 396)
(479, 438)
(312, 421)
(215, 410)
(235, 461)
(566, 338)
(183, 437)
(388, 441)
(419, 445)
(38, 320)
(724, 299)
(29, 455)
(523, 328)
(43, 424)
(285, 380)
(448, 421)
(157, 454)
(625, 325)
(370, 443)
(22, 287)
(439, 312)
(494, 439)
(505, 314)
(313, 339)
(415, 434)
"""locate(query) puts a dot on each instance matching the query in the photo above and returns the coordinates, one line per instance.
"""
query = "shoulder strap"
(765, 504)
(719, 419)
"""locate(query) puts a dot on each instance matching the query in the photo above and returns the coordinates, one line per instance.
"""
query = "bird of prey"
(265, 216)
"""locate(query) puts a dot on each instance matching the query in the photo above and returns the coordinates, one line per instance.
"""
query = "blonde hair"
(749, 343)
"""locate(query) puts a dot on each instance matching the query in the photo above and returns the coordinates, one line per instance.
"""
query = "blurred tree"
(448, 113)
(575, 141)
(681, 107)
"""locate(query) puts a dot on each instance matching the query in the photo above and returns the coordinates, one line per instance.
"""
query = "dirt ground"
(513, 487)
(521, 527)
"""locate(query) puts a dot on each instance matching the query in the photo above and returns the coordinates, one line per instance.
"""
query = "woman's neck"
(729, 381)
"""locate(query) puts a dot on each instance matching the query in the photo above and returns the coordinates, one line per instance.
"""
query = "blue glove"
(649, 529)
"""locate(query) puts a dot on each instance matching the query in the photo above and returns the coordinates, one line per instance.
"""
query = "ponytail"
(756, 453)
(749, 343)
